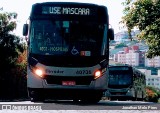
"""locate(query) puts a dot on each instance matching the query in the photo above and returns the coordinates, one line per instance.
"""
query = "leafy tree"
(19, 83)
(10, 48)
(9, 43)
(144, 14)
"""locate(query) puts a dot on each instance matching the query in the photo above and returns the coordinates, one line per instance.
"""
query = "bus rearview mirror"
(111, 33)
(25, 29)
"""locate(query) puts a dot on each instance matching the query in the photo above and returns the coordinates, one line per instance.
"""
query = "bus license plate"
(68, 83)
(118, 93)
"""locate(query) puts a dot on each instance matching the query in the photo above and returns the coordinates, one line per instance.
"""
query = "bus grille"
(79, 80)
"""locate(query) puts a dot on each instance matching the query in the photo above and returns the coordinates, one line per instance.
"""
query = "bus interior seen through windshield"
(61, 37)
(120, 77)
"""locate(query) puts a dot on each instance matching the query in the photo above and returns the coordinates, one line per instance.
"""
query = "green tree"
(9, 44)
(10, 48)
(152, 94)
(144, 14)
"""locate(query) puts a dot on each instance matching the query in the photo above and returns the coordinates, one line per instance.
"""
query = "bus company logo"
(54, 71)
(6, 107)
(21, 107)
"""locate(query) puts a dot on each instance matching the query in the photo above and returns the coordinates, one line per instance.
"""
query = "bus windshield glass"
(120, 77)
(75, 38)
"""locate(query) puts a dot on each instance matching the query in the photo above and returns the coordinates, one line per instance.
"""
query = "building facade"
(152, 80)
(131, 56)
(154, 62)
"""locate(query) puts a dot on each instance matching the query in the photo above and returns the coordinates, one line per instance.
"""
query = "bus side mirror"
(25, 29)
(111, 34)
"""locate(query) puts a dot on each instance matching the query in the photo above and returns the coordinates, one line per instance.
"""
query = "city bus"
(68, 51)
(125, 83)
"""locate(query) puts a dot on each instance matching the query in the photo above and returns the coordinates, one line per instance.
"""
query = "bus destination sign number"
(65, 11)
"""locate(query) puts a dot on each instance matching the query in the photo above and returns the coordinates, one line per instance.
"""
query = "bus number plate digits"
(68, 83)
(83, 72)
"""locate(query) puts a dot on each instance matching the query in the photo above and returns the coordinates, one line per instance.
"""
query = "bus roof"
(69, 4)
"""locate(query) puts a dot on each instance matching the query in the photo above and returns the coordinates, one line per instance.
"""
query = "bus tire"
(113, 98)
(35, 96)
(142, 99)
(37, 99)
(122, 99)
(135, 97)
(92, 99)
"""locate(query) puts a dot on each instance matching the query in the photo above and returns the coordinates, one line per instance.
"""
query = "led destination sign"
(65, 11)
(118, 68)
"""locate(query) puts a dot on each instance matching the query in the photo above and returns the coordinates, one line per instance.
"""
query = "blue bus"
(68, 51)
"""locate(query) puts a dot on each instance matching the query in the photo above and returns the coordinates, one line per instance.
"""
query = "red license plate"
(68, 83)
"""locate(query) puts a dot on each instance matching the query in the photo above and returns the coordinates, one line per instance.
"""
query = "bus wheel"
(37, 99)
(92, 100)
(122, 99)
(35, 96)
(134, 98)
(142, 97)
(76, 100)
(112, 98)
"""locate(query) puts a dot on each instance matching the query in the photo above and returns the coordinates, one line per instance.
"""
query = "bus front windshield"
(120, 78)
(76, 38)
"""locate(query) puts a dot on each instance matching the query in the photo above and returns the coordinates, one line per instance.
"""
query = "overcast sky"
(23, 8)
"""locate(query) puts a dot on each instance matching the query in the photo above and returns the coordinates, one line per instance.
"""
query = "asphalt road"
(70, 105)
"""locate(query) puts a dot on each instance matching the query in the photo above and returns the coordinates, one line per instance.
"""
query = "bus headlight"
(39, 72)
(97, 74)
(129, 91)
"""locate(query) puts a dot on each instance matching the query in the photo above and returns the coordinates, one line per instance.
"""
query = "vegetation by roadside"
(152, 94)
(12, 60)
